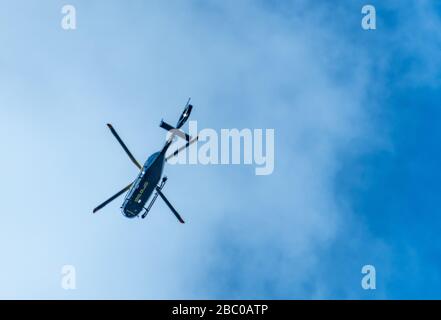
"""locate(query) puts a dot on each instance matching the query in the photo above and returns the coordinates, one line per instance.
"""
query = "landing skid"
(163, 181)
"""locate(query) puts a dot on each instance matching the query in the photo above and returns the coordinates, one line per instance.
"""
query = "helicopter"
(149, 179)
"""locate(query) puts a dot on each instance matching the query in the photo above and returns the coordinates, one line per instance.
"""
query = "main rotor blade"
(112, 198)
(124, 146)
(174, 154)
(169, 205)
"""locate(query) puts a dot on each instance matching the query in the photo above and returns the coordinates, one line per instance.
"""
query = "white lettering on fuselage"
(141, 192)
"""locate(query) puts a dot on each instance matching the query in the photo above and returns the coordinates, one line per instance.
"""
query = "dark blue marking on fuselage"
(144, 185)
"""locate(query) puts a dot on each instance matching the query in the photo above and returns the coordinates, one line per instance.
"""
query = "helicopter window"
(152, 158)
(132, 191)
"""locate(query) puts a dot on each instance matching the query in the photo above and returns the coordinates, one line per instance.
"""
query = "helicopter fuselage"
(144, 185)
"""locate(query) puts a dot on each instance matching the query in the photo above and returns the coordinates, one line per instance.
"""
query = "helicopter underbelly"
(135, 204)
(142, 189)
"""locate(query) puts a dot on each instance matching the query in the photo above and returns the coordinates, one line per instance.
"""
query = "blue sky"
(356, 174)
